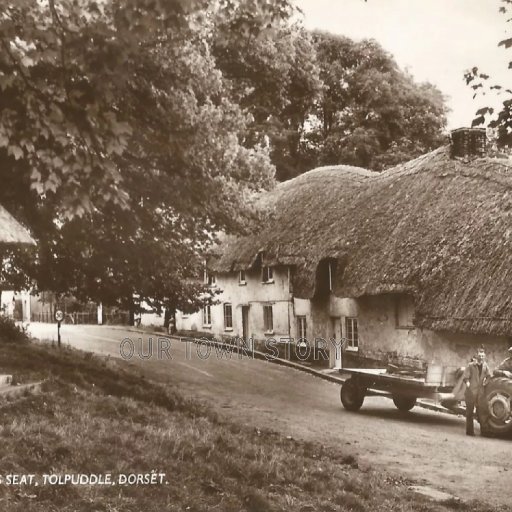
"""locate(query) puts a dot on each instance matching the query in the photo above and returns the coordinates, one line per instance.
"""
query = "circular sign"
(59, 315)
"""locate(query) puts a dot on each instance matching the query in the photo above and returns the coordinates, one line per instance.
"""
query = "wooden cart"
(402, 389)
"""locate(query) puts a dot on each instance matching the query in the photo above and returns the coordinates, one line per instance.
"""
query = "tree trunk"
(170, 320)
(131, 312)
(167, 317)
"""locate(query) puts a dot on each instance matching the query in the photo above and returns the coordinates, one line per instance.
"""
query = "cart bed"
(379, 379)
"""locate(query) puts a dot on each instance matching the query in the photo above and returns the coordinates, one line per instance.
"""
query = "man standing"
(475, 377)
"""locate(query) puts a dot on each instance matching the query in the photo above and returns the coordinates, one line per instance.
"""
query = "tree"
(320, 99)
(479, 81)
(371, 114)
(119, 145)
(274, 76)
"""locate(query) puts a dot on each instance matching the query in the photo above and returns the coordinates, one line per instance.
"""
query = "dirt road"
(425, 446)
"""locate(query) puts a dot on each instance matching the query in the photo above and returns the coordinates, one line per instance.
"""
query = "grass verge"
(98, 416)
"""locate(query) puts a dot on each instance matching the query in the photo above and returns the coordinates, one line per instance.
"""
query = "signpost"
(59, 316)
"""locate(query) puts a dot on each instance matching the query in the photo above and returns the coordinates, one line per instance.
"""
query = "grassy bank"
(100, 416)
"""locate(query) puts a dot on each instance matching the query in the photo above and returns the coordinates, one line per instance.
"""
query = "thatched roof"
(11, 231)
(436, 227)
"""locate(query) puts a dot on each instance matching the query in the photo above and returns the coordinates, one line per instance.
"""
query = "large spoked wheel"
(495, 406)
(404, 403)
(352, 395)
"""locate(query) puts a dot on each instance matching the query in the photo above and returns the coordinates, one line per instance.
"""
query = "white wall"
(253, 294)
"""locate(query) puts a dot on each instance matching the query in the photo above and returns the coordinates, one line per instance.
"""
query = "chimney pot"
(468, 142)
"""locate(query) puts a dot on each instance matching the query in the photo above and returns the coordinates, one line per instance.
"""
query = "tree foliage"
(132, 131)
(321, 99)
(275, 77)
(118, 143)
(482, 83)
(371, 114)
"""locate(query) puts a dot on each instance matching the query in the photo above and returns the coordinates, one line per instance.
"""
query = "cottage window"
(207, 316)
(301, 328)
(228, 317)
(351, 333)
(267, 275)
(209, 279)
(405, 312)
(268, 319)
(241, 277)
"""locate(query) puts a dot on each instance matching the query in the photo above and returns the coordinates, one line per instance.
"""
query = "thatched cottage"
(11, 231)
(413, 263)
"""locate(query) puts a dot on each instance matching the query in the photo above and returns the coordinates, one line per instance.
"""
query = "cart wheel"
(404, 403)
(352, 395)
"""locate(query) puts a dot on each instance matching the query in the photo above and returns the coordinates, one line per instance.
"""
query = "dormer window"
(267, 275)
(241, 278)
(325, 277)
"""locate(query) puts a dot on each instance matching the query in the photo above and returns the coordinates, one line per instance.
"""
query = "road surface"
(428, 447)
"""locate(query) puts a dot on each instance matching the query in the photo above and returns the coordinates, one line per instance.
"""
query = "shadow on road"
(415, 416)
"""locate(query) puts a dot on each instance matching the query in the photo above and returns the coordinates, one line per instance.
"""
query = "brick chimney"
(468, 142)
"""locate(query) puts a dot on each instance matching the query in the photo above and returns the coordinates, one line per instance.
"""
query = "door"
(245, 324)
(336, 343)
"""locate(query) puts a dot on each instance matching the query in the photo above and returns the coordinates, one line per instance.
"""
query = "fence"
(78, 317)
(84, 317)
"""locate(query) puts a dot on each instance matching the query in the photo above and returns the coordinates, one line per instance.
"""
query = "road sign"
(59, 316)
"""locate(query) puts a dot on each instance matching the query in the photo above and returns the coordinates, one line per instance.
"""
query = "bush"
(10, 332)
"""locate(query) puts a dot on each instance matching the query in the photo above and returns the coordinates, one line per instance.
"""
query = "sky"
(435, 40)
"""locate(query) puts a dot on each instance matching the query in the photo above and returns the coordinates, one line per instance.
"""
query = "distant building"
(412, 265)
(12, 233)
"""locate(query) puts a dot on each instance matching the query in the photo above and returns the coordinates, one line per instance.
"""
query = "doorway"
(336, 343)
(245, 325)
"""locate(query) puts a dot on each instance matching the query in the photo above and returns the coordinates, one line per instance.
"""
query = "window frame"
(210, 279)
(226, 316)
(352, 342)
(268, 327)
(267, 274)
(207, 315)
(242, 281)
(300, 319)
